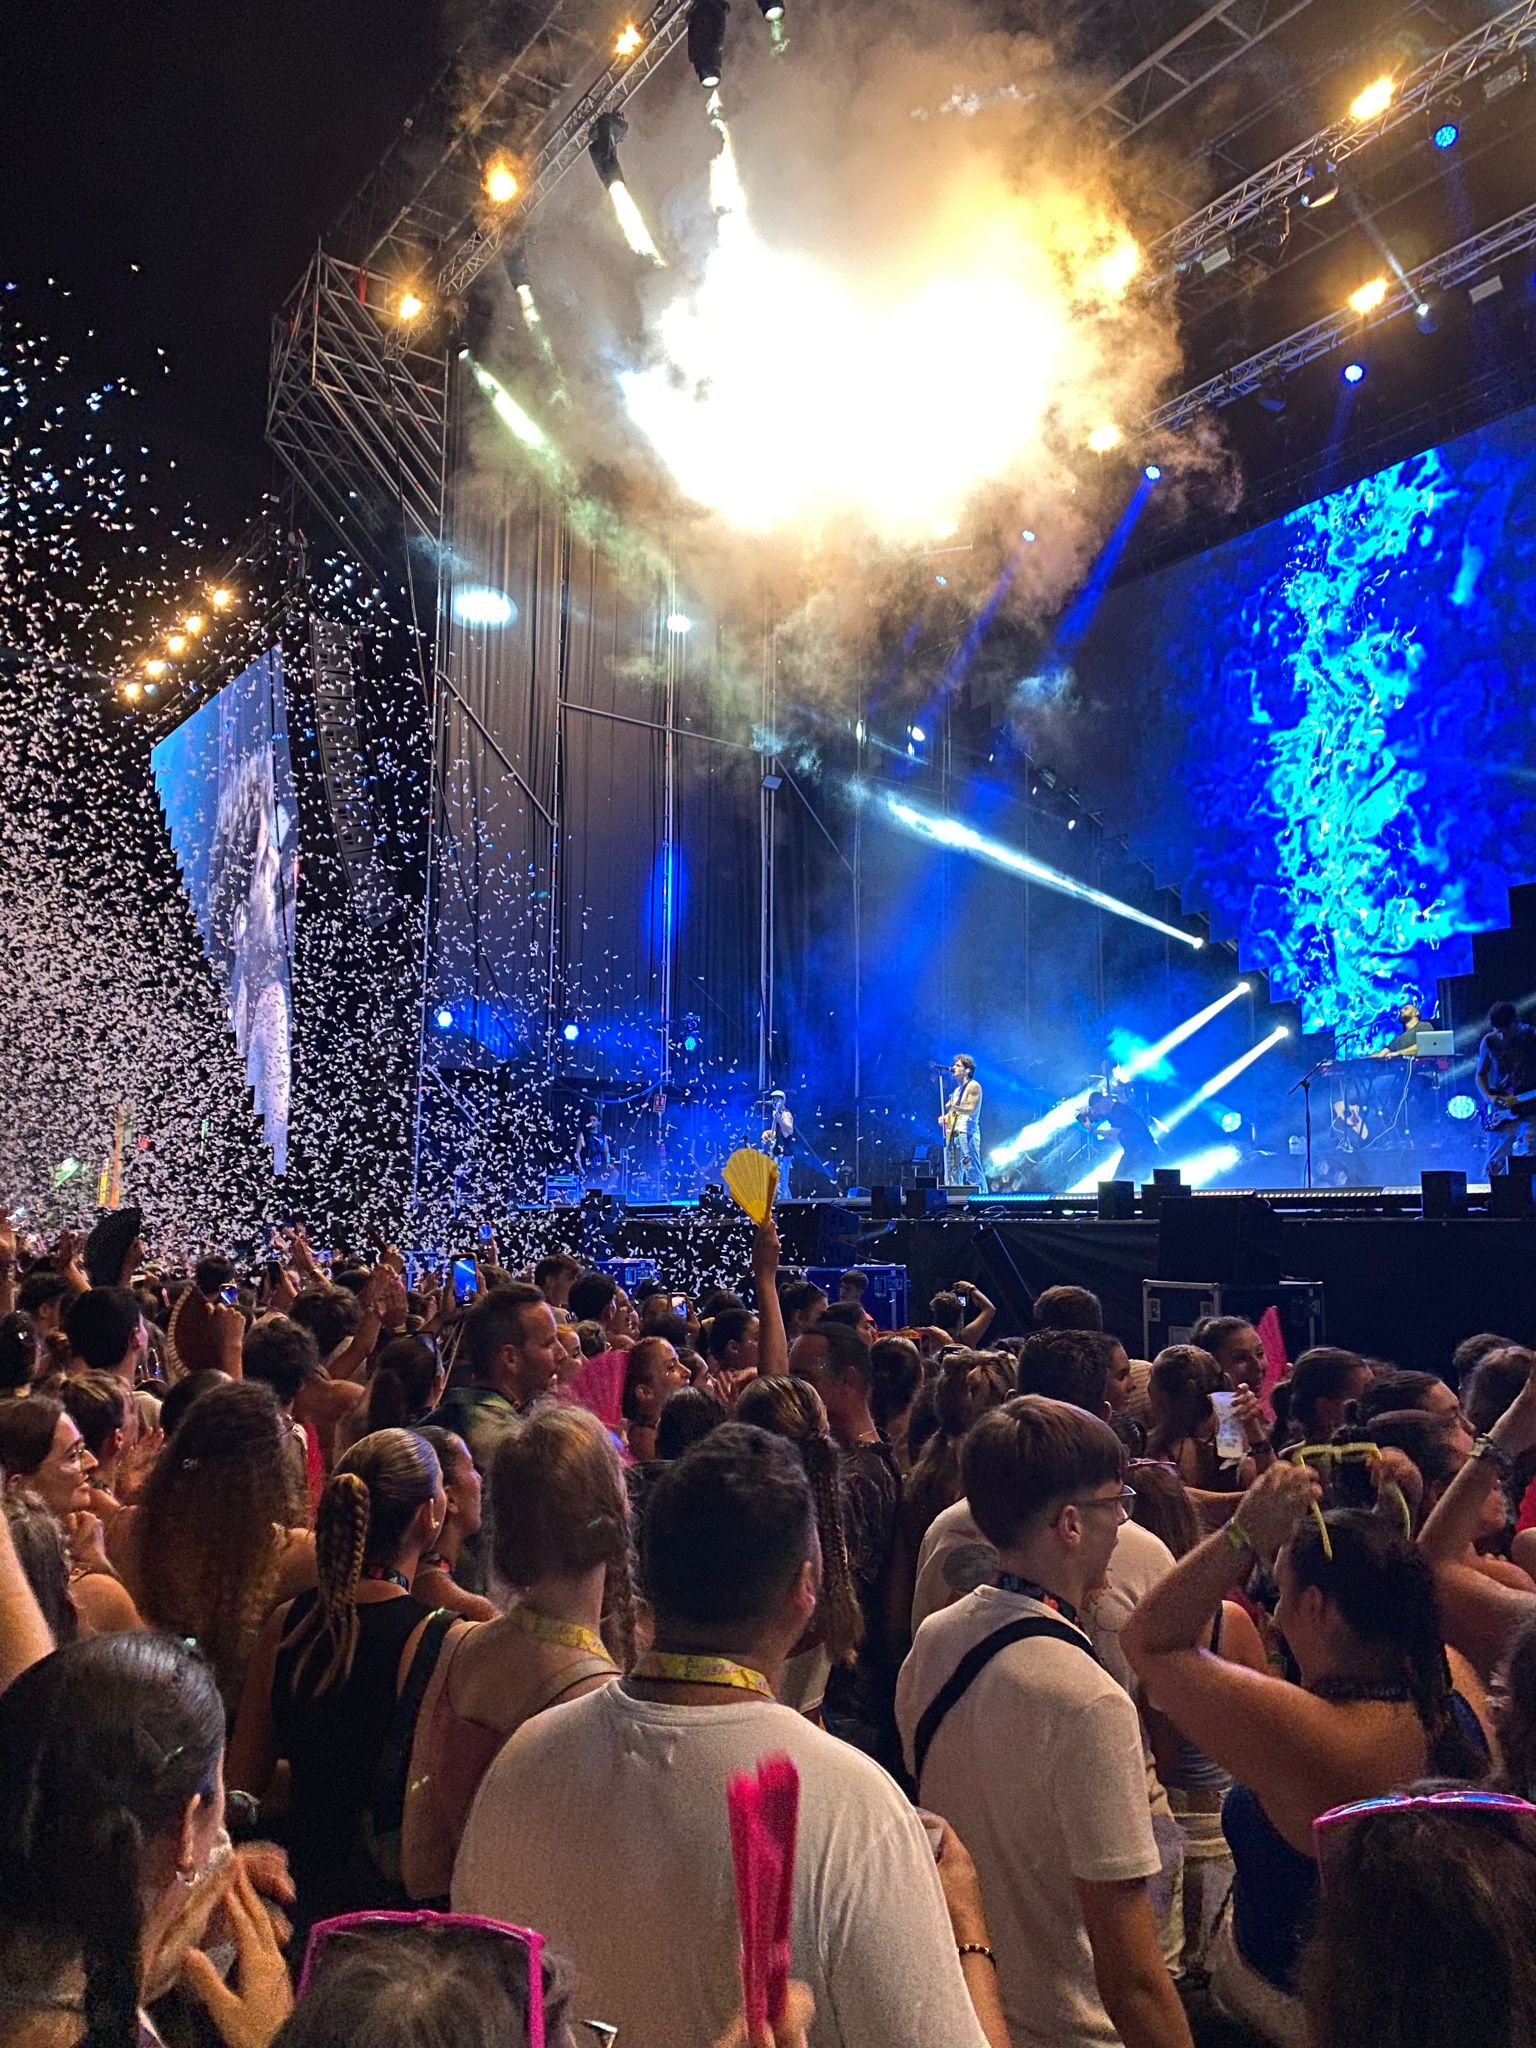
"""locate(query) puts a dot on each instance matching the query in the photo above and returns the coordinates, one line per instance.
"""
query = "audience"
(969, 1383)
(43, 1453)
(896, 1373)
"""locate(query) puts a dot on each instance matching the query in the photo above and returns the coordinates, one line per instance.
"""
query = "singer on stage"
(961, 1124)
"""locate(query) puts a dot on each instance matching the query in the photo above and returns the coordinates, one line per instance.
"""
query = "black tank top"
(333, 1743)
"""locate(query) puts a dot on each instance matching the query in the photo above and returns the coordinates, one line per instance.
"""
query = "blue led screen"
(1331, 749)
(225, 782)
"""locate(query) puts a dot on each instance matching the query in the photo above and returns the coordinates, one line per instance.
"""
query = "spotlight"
(1152, 473)
(1446, 136)
(771, 10)
(501, 186)
(1374, 100)
(679, 623)
(1204, 1167)
(479, 605)
(1103, 440)
(221, 599)
(1219, 1080)
(154, 668)
(131, 692)
(706, 40)
(917, 733)
(629, 40)
(1426, 316)
(603, 139)
(1462, 1108)
(194, 623)
(151, 689)
(1152, 1056)
(409, 306)
(571, 1033)
(175, 643)
(1320, 184)
(1271, 396)
(1028, 534)
(444, 1018)
(1368, 296)
(1354, 373)
(690, 1042)
(1232, 1121)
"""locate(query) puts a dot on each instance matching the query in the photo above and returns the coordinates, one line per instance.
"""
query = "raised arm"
(7, 1263)
(772, 1343)
(24, 1635)
(982, 1313)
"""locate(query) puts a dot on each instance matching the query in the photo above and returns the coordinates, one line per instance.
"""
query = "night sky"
(210, 146)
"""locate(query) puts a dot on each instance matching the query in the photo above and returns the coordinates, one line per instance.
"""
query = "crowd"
(373, 1664)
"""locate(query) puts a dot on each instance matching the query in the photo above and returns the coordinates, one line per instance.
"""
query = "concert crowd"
(374, 1663)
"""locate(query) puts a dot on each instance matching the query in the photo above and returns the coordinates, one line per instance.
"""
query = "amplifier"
(885, 1297)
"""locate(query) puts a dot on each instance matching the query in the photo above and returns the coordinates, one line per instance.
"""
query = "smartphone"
(274, 1276)
(1344, 1470)
(680, 1304)
(230, 1296)
(463, 1279)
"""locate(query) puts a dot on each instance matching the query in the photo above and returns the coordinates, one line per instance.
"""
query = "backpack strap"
(386, 1805)
(970, 1668)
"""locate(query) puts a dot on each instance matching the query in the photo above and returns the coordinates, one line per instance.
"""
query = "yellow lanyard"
(676, 1667)
(547, 1628)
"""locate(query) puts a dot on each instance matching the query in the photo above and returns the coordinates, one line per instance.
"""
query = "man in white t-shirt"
(1038, 1761)
(603, 1822)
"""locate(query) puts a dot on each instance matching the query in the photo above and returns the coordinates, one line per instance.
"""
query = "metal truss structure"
(1463, 265)
(1197, 53)
(1476, 56)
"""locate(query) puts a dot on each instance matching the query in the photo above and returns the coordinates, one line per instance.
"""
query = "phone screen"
(463, 1279)
(229, 1295)
(680, 1304)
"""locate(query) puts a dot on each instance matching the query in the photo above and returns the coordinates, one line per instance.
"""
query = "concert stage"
(1397, 1285)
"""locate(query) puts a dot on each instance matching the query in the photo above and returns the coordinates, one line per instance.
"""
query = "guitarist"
(1506, 1080)
(961, 1124)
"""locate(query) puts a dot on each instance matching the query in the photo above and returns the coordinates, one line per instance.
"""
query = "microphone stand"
(1305, 1085)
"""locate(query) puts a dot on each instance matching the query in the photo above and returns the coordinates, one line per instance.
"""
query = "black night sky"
(210, 146)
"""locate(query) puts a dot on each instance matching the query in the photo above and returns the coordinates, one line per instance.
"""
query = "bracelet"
(1237, 1535)
(1489, 1449)
(976, 1948)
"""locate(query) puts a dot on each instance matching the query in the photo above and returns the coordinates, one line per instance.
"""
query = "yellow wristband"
(1236, 1535)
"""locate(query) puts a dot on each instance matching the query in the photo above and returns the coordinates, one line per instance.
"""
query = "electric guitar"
(1505, 1111)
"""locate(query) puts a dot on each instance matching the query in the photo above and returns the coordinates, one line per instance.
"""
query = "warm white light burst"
(791, 391)
(632, 222)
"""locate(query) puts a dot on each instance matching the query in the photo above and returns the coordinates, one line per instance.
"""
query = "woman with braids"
(113, 1855)
(560, 1538)
(1371, 1710)
(338, 1677)
(792, 1409)
(218, 1541)
(969, 1383)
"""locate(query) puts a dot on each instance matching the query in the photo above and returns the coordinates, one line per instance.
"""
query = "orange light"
(194, 622)
(409, 306)
(154, 667)
(175, 643)
(501, 185)
(1369, 296)
(629, 40)
(1374, 100)
(221, 599)
(131, 692)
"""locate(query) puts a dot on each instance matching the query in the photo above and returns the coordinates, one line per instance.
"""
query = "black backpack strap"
(970, 1668)
(386, 1804)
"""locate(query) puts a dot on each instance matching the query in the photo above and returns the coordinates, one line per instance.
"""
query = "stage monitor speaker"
(818, 1233)
(1117, 1201)
(1510, 1194)
(926, 1199)
(1444, 1194)
(1231, 1238)
(884, 1202)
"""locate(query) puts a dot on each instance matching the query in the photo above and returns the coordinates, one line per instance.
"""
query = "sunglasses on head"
(1330, 1830)
(326, 1935)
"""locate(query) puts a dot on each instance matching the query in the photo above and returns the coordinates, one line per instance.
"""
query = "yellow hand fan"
(753, 1178)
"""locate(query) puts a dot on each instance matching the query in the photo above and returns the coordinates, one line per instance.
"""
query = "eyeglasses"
(1330, 1829)
(324, 1934)
(1123, 1501)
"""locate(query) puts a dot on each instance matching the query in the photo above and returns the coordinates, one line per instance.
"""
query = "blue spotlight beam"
(962, 839)
(1084, 606)
(1219, 1081)
(1151, 1056)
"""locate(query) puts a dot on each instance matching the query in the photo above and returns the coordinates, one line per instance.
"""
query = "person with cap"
(779, 1140)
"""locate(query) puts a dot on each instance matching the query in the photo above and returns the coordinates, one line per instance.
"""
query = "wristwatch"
(1489, 1449)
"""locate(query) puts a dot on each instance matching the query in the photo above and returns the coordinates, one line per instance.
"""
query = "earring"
(189, 1876)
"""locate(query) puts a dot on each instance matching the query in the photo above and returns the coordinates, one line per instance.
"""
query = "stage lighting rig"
(629, 40)
(603, 139)
(706, 40)
(1368, 296)
(501, 182)
(409, 306)
(1320, 185)
(771, 10)
(1374, 101)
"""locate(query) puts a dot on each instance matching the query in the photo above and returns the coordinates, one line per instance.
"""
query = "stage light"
(1040, 1130)
(194, 623)
(479, 605)
(603, 139)
(706, 40)
(1446, 136)
(1374, 100)
(1105, 439)
(1204, 1167)
(1320, 184)
(444, 1018)
(571, 1033)
(1219, 1081)
(501, 186)
(1152, 473)
(679, 623)
(518, 423)
(917, 733)
(151, 689)
(155, 667)
(1367, 297)
(1353, 372)
(1105, 1170)
(691, 1043)
(1462, 1108)
(1425, 316)
(1244, 988)
(221, 599)
(771, 10)
(175, 643)
(1028, 534)
(628, 40)
(632, 223)
(1151, 1056)
(1232, 1121)
(409, 306)
(952, 833)
(131, 692)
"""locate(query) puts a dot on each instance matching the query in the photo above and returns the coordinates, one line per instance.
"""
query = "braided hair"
(365, 1509)
(970, 1383)
(106, 1744)
(791, 1408)
(1385, 1590)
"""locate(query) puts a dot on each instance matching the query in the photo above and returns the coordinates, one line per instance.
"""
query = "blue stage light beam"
(1084, 607)
(1152, 1056)
(1204, 1167)
(1228, 1073)
(1040, 1130)
(962, 838)
(1089, 1183)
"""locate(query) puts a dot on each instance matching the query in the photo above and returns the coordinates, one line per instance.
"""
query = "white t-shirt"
(955, 1557)
(603, 1824)
(1038, 1767)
